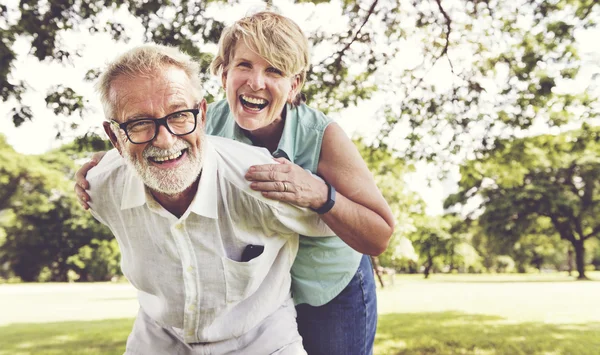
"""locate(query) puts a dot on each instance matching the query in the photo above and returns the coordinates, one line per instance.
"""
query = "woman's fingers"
(268, 172)
(275, 186)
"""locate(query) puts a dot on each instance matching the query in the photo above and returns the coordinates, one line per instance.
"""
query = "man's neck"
(177, 204)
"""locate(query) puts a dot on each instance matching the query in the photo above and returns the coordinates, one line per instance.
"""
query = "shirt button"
(179, 226)
(193, 308)
(190, 269)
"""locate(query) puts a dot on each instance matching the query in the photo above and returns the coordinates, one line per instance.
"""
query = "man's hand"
(81, 184)
(288, 182)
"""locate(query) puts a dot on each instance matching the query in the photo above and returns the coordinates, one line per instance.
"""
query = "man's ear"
(202, 108)
(111, 135)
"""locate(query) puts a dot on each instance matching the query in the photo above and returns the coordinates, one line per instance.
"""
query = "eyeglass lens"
(179, 123)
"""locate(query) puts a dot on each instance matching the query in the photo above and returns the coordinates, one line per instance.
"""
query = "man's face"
(168, 164)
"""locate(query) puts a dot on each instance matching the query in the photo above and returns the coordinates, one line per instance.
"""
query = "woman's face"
(256, 91)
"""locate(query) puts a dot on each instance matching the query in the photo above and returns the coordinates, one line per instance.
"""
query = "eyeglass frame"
(157, 123)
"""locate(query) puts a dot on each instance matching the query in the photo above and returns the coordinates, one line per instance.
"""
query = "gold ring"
(284, 187)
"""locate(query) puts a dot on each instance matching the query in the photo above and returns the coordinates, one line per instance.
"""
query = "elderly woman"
(262, 61)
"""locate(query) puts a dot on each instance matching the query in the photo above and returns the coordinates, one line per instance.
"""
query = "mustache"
(154, 152)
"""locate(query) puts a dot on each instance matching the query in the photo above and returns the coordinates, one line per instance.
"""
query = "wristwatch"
(330, 200)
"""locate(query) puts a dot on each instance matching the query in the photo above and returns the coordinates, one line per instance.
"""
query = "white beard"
(168, 181)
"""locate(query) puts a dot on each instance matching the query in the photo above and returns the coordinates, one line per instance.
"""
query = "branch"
(594, 232)
(448, 27)
(341, 52)
(588, 11)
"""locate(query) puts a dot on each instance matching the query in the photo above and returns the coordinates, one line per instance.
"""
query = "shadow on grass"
(460, 333)
(65, 338)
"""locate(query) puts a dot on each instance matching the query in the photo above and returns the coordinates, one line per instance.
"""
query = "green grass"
(65, 338)
(547, 314)
(460, 333)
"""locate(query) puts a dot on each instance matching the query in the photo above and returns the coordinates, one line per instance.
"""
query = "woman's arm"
(361, 216)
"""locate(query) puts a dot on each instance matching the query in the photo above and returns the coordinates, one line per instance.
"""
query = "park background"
(478, 118)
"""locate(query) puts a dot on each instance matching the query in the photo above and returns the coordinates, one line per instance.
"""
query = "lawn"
(448, 314)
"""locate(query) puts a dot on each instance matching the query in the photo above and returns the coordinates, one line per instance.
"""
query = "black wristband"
(328, 205)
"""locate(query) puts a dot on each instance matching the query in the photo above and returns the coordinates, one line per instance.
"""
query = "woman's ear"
(224, 80)
(294, 89)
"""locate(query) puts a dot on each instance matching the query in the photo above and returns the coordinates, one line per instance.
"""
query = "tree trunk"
(579, 259)
(377, 269)
(428, 264)
(570, 261)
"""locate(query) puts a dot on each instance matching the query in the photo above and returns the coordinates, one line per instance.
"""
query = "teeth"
(170, 157)
(253, 100)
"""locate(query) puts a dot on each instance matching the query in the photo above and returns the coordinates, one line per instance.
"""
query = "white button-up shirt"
(188, 270)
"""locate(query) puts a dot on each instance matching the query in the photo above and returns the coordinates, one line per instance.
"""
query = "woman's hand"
(81, 184)
(288, 182)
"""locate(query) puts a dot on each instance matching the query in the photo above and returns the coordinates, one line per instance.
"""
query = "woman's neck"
(267, 137)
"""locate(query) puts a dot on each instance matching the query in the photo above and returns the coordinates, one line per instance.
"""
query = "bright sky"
(39, 136)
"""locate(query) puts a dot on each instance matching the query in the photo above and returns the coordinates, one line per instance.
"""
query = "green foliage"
(511, 63)
(507, 61)
(538, 187)
(97, 261)
(433, 242)
(43, 225)
(389, 172)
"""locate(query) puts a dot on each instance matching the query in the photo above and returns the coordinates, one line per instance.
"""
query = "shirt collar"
(205, 201)
(285, 148)
(134, 192)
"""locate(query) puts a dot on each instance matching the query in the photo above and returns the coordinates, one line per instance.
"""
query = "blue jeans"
(347, 324)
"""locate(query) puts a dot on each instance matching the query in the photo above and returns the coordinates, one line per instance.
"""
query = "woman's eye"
(244, 65)
(275, 71)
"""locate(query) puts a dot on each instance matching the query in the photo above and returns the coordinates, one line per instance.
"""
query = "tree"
(555, 177)
(506, 62)
(433, 241)
(43, 223)
(389, 172)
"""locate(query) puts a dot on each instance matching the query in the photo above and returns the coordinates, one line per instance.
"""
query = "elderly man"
(209, 256)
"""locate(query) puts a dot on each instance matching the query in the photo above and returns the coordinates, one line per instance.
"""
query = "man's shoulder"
(239, 153)
(109, 174)
(233, 159)
(111, 163)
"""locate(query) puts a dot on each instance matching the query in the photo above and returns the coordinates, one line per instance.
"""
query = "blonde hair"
(276, 38)
(144, 61)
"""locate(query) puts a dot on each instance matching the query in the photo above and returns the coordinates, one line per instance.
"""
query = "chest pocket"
(242, 279)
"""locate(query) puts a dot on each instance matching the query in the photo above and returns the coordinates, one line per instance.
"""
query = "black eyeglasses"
(144, 130)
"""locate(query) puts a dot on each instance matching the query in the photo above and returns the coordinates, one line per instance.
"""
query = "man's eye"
(244, 64)
(180, 116)
(140, 126)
